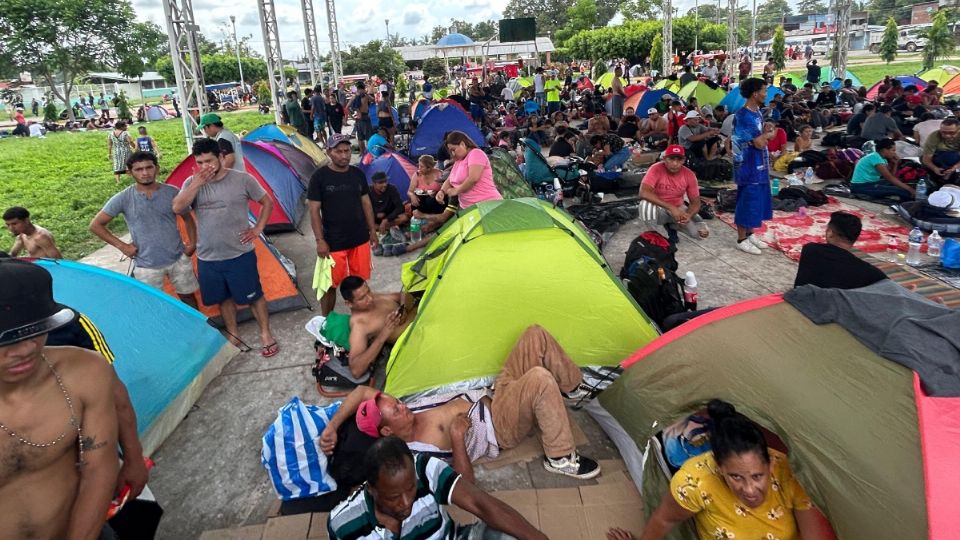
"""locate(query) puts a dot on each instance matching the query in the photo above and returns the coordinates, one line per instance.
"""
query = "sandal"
(244, 348)
(270, 350)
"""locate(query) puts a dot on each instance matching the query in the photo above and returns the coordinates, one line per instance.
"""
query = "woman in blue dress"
(751, 162)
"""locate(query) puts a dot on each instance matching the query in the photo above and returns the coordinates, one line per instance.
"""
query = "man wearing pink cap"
(529, 396)
(665, 185)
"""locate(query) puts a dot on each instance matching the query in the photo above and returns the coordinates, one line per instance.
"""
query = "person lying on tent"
(832, 265)
(406, 495)
(528, 397)
(739, 489)
(375, 320)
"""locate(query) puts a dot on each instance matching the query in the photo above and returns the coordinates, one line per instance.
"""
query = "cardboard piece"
(558, 497)
(517, 497)
(563, 523)
(252, 532)
(615, 477)
(287, 527)
(529, 450)
(627, 516)
(274, 510)
(318, 527)
(601, 494)
(611, 466)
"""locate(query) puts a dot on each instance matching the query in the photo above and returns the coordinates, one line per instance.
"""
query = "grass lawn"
(869, 74)
(65, 179)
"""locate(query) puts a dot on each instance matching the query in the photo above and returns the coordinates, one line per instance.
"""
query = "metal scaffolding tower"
(667, 61)
(841, 40)
(271, 49)
(182, 34)
(313, 44)
(334, 41)
(732, 44)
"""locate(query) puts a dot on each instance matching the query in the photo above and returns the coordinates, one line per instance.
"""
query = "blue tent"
(399, 170)
(284, 183)
(436, 123)
(651, 98)
(421, 108)
(734, 101)
(376, 121)
(837, 83)
(165, 363)
(268, 132)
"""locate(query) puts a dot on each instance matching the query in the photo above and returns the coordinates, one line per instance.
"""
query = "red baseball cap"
(674, 150)
(368, 416)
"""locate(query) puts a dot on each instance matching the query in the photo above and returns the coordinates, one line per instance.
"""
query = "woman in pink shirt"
(472, 176)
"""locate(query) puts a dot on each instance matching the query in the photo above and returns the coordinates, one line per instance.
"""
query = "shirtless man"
(37, 241)
(530, 390)
(375, 320)
(58, 461)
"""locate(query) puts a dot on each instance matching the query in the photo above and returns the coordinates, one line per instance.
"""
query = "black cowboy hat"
(27, 308)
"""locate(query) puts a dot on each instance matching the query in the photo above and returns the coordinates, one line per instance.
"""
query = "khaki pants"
(527, 393)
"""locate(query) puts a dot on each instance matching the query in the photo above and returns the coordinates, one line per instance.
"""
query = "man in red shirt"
(664, 187)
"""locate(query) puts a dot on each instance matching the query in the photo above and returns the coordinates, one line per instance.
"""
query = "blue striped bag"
(291, 453)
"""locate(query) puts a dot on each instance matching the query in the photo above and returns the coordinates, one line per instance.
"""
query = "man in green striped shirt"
(404, 498)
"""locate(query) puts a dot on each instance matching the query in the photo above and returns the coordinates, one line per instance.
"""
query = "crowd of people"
(421, 461)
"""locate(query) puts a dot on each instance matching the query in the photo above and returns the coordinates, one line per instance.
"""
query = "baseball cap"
(674, 150)
(368, 416)
(336, 139)
(207, 119)
(691, 114)
(652, 110)
(27, 308)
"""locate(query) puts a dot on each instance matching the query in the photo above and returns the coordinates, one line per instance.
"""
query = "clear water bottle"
(690, 291)
(934, 244)
(808, 177)
(921, 190)
(893, 250)
(557, 192)
(415, 234)
(913, 251)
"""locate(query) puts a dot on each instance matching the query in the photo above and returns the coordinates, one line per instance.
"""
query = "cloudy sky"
(359, 21)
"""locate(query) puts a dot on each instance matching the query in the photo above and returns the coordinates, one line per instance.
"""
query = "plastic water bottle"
(690, 291)
(893, 250)
(934, 244)
(808, 176)
(415, 234)
(775, 187)
(557, 192)
(921, 190)
(915, 241)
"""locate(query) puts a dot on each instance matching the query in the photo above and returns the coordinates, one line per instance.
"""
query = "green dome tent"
(539, 258)
(706, 93)
(874, 451)
(672, 85)
(606, 80)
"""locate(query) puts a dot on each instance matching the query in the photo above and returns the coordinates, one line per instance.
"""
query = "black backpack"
(649, 273)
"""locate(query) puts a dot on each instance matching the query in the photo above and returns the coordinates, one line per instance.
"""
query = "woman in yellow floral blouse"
(741, 490)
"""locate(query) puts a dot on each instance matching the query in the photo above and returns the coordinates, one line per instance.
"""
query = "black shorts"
(235, 278)
(385, 122)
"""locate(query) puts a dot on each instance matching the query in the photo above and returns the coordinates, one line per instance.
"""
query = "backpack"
(812, 197)
(834, 138)
(649, 273)
(726, 200)
(714, 170)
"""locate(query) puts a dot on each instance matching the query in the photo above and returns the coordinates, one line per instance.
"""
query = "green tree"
(373, 58)
(777, 49)
(888, 46)
(551, 15)
(145, 42)
(65, 38)
(262, 91)
(123, 107)
(434, 68)
(656, 53)
(640, 9)
(599, 68)
(880, 10)
(769, 16)
(811, 7)
(219, 68)
(940, 40)
(581, 16)
(50, 111)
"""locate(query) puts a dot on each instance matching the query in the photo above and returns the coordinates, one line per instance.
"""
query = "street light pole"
(387, 22)
(236, 47)
(753, 29)
(696, 25)
(143, 100)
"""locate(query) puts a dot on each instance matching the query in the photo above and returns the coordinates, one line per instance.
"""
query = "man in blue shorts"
(227, 264)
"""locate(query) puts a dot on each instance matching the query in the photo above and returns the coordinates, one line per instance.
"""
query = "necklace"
(73, 421)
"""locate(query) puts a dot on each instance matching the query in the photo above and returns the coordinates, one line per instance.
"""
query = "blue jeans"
(541, 99)
(616, 160)
(880, 190)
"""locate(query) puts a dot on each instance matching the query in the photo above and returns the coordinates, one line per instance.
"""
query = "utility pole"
(236, 46)
(732, 44)
(272, 54)
(696, 25)
(334, 42)
(387, 22)
(841, 41)
(312, 43)
(753, 28)
(667, 61)
(182, 35)
(718, 11)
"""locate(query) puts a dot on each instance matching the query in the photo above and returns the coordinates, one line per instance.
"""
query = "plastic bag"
(291, 455)
(950, 254)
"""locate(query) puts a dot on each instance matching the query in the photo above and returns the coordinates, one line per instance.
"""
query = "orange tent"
(633, 100)
(952, 88)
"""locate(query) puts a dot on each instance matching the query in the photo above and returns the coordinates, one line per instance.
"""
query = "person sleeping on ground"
(739, 489)
(529, 397)
(375, 321)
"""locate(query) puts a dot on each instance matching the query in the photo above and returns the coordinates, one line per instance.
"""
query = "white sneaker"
(755, 240)
(747, 247)
(818, 130)
(574, 466)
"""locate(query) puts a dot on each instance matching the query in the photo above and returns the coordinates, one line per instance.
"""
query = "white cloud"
(414, 14)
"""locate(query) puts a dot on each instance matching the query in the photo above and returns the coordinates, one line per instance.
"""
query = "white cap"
(942, 199)
(652, 110)
(690, 280)
(691, 114)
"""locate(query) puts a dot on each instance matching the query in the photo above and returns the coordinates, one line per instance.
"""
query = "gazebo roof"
(454, 40)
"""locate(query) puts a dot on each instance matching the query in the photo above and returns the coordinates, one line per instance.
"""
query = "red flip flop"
(270, 350)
